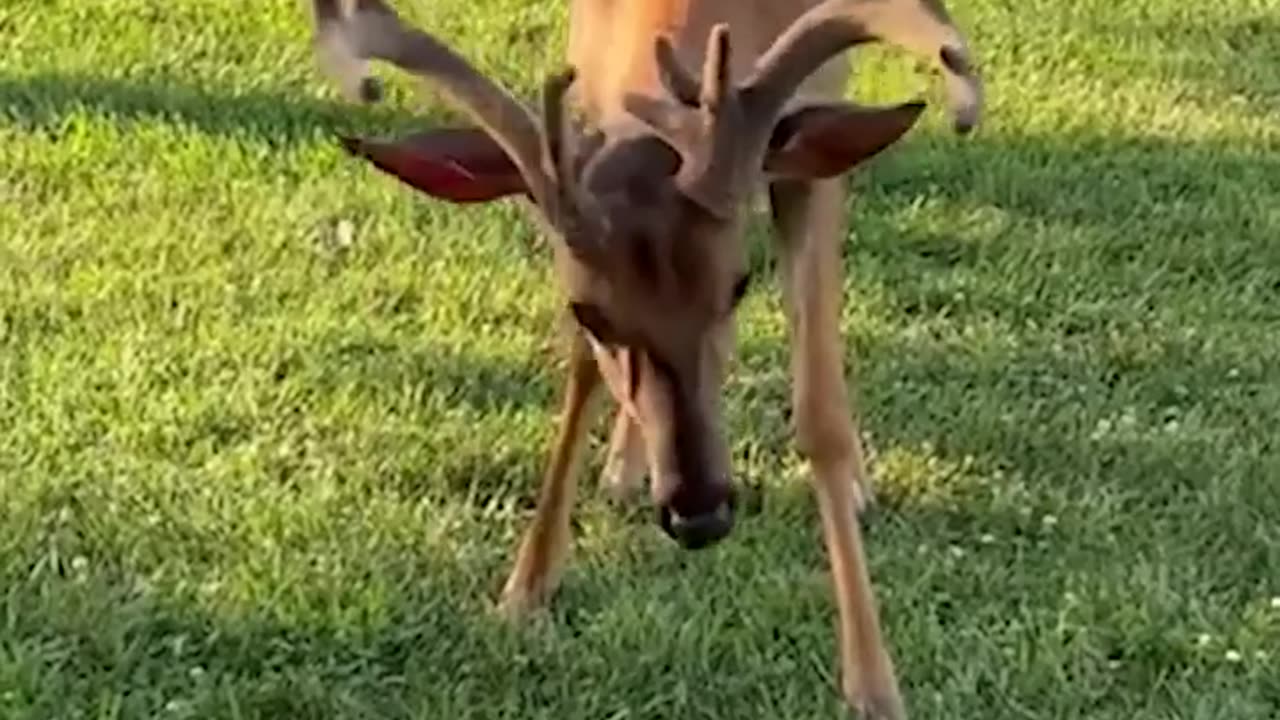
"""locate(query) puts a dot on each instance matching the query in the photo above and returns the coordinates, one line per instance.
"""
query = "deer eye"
(740, 289)
(591, 319)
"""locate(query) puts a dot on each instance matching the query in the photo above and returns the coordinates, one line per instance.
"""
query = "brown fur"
(688, 107)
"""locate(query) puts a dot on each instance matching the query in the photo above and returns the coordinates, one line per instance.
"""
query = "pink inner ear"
(462, 165)
(827, 140)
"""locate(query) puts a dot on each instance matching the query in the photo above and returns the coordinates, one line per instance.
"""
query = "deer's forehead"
(683, 265)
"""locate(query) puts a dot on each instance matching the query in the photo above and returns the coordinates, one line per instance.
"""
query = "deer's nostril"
(955, 60)
(698, 531)
(370, 90)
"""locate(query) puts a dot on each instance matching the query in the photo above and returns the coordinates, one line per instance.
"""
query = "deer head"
(645, 222)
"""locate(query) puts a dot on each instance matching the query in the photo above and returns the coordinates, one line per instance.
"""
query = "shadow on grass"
(43, 102)
(150, 648)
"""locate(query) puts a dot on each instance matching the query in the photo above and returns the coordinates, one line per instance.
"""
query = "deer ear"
(826, 140)
(591, 319)
(461, 165)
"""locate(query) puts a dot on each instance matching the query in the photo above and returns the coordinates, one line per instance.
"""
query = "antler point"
(352, 145)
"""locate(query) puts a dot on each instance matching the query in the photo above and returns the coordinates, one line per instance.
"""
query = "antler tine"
(715, 69)
(556, 164)
(682, 85)
(578, 226)
(372, 30)
(712, 172)
(336, 59)
(919, 26)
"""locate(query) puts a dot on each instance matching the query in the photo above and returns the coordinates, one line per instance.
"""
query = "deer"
(640, 163)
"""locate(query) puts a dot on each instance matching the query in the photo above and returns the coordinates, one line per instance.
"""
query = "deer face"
(646, 215)
(660, 321)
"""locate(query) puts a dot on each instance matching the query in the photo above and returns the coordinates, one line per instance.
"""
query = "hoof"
(883, 705)
(520, 606)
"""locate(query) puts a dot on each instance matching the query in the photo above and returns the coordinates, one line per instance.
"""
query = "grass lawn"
(253, 466)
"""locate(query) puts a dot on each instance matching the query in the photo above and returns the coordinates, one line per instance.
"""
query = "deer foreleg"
(545, 546)
(808, 220)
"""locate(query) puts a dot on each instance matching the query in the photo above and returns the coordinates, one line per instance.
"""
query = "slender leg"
(625, 465)
(808, 219)
(545, 546)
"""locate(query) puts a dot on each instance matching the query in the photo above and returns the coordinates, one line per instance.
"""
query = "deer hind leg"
(545, 545)
(626, 461)
(808, 221)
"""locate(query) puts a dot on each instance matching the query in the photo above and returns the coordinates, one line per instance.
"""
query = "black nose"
(698, 531)
(370, 89)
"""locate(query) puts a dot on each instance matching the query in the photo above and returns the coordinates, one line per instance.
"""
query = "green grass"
(247, 470)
